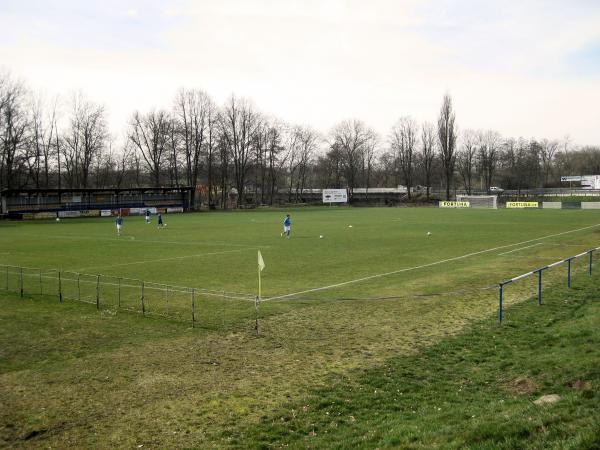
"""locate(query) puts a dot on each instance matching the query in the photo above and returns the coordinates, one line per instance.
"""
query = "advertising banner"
(446, 204)
(522, 204)
(335, 196)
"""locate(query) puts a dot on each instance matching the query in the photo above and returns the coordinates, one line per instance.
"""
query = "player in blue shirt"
(287, 226)
(119, 224)
(147, 216)
(159, 219)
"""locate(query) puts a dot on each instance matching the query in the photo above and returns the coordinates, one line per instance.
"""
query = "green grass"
(72, 376)
(475, 390)
(218, 251)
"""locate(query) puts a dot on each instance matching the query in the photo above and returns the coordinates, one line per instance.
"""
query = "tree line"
(235, 148)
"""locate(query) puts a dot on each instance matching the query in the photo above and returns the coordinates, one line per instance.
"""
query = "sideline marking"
(407, 269)
(519, 249)
(161, 259)
(127, 238)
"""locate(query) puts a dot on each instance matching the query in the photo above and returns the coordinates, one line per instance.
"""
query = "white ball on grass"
(58, 219)
(429, 233)
(320, 236)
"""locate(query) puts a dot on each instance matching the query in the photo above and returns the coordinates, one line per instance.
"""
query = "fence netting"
(200, 307)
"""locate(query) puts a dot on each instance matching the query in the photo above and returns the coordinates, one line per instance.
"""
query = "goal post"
(479, 201)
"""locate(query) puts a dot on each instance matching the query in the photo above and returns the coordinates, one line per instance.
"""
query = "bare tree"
(403, 142)
(84, 139)
(489, 146)
(150, 135)
(428, 151)
(239, 122)
(350, 138)
(465, 159)
(196, 112)
(307, 145)
(14, 124)
(447, 139)
(547, 151)
(368, 160)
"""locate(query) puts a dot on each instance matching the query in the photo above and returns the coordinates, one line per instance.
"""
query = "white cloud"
(319, 62)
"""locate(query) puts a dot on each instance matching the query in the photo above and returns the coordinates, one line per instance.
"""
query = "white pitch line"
(163, 259)
(126, 238)
(519, 249)
(407, 269)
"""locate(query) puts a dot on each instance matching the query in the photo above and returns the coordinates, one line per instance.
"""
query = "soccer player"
(147, 216)
(119, 224)
(160, 222)
(287, 226)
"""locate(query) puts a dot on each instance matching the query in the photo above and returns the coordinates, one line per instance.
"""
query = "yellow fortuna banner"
(522, 204)
(445, 204)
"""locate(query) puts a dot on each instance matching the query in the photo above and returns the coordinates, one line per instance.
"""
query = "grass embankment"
(74, 377)
(474, 390)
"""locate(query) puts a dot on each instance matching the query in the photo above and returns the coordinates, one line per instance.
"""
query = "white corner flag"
(261, 266)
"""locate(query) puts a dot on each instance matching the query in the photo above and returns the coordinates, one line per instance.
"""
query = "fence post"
(59, 287)
(119, 294)
(569, 273)
(500, 303)
(540, 287)
(143, 306)
(97, 291)
(193, 307)
(590, 257)
(167, 297)
(41, 285)
(21, 282)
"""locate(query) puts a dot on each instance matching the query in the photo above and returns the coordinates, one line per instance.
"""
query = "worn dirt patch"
(521, 386)
(580, 385)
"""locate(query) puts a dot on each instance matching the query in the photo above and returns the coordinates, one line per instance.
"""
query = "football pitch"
(363, 253)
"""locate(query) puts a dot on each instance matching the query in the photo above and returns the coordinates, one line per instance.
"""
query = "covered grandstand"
(45, 203)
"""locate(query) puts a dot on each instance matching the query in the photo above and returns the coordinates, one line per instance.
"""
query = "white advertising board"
(335, 196)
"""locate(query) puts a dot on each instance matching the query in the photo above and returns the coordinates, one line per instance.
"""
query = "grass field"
(377, 295)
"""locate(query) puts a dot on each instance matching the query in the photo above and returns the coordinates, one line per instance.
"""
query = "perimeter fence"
(220, 309)
(201, 307)
(568, 262)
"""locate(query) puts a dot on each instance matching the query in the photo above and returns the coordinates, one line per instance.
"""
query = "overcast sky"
(524, 68)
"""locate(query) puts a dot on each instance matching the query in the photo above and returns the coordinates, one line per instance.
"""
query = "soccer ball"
(321, 236)
(165, 224)
(429, 233)
(58, 219)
